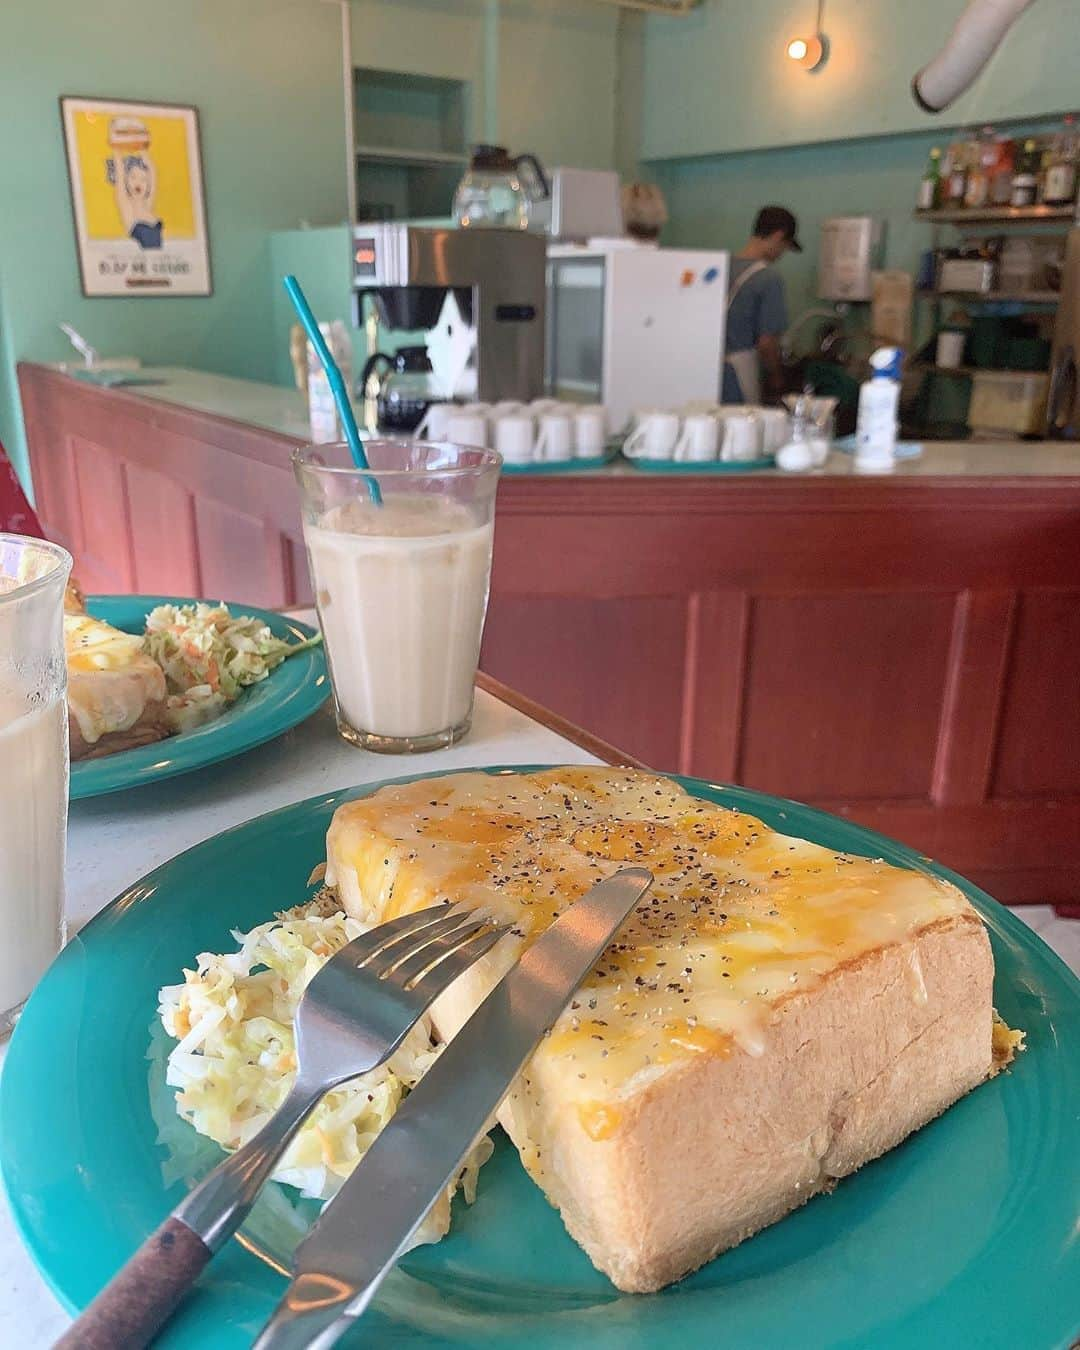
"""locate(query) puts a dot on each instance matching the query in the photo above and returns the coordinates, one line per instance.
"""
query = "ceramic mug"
(555, 440)
(700, 439)
(435, 421)
(742, 436)
(654, 437)
(467, 428)
(507, 407)
(589, 431)
(775, 428)
(515, 437)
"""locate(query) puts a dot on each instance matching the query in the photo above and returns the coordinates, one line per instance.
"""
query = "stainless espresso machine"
(478, 294)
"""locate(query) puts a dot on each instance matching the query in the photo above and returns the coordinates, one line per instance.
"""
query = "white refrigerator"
(633, 326)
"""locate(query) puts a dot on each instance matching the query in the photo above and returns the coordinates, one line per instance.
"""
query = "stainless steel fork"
(353, 1015)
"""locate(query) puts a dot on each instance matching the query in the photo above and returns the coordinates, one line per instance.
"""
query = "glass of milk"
(401, 584)
(33, 764)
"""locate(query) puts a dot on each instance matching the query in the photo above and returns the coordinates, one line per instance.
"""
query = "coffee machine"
(478, 294)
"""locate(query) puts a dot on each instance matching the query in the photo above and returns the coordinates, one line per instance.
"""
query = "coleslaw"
(234, 1060)
(208, 656)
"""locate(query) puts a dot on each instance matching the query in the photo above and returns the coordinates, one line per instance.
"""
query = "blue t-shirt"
(759, 310)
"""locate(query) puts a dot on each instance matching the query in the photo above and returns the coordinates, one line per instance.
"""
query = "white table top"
(114, 840)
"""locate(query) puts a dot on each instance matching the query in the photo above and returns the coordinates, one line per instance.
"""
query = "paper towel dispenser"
(852, 247)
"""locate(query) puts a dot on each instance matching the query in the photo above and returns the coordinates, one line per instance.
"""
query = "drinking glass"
(401, 584)
(33, 764)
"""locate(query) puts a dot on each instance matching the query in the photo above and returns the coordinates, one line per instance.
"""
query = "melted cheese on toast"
(739, 917)
(111, 680)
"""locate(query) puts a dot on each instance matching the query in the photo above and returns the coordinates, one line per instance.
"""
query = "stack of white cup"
(702, 433)
(545, 431)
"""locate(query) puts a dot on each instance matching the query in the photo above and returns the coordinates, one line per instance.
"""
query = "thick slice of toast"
(773, 1015)
(116, 693)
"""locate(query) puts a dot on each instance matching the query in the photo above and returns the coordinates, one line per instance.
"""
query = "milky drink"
(33, 807)
(402, 589)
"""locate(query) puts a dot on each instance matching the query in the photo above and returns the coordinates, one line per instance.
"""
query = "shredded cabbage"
(208, 656)
(234, 1058)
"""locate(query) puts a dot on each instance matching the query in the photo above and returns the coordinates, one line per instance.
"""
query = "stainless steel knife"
(343, 1260)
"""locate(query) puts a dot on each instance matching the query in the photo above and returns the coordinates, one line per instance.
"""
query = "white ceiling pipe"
(974, 40)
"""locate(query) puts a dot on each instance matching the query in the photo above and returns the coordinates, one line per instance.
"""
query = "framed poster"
(137, 197)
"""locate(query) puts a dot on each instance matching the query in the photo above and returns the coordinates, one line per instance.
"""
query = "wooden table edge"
(561, 726)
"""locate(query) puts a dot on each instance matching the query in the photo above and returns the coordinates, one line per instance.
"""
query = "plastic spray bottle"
(879, 397)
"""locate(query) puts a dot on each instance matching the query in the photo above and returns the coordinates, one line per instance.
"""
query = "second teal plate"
(287, 696)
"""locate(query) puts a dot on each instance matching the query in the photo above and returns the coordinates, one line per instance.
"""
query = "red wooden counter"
(904, 650)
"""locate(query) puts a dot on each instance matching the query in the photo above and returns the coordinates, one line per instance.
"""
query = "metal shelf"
(968, 371)
(997, 297)
(987, 215)
(384, 154)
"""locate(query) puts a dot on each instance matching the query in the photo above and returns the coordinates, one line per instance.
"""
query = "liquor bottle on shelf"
(956, 182)
(980, 167)
(930, 186)
(1002, 175)
(1059, 181)
(1025, 182)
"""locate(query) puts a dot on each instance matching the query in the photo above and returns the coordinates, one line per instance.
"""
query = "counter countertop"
(283, 412)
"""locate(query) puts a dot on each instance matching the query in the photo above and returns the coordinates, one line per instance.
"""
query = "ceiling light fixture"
(811, 51)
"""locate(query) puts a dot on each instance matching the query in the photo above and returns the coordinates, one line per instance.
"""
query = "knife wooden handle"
(140, 1298)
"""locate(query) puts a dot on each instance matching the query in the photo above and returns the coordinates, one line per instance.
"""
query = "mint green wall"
(542, 72)
(265, 76)
(557, 73)
(719, 81)
(425, 37)
(320, 260)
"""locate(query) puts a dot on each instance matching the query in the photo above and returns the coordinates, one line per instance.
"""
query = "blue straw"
(337, 384)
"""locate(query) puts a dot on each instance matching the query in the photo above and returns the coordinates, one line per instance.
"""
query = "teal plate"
(705, 466)
(290, 693)
(963, 1236)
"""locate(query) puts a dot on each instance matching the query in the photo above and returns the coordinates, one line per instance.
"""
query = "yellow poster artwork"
(137, 197)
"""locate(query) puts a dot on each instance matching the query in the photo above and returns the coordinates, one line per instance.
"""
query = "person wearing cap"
(757, 310)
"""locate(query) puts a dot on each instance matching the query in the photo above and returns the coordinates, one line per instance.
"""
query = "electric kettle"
(494, 193)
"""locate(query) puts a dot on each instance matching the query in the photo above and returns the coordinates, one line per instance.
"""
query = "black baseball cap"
(772, 218)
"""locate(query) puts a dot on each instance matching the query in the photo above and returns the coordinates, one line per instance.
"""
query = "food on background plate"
(210, 656)
(235, 1058)
(116, 692)
(773, 1016)
(126, 690)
